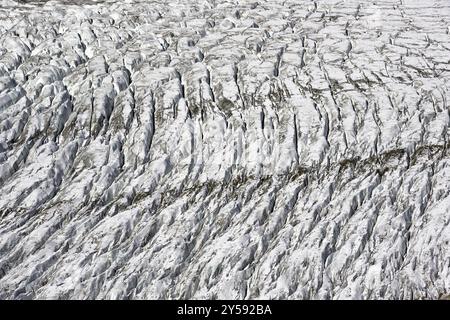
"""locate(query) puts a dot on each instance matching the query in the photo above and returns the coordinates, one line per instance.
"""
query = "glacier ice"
(224, 149)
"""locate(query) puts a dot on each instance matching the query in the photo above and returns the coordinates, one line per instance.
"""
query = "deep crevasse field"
(224, 149)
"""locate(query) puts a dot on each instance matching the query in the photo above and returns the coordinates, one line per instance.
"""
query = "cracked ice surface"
(224, 149)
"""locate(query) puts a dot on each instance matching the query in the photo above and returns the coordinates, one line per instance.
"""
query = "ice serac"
(224, 149)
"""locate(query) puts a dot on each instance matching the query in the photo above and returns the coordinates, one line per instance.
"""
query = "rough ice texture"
(224, 149)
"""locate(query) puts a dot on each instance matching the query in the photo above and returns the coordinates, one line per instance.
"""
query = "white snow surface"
(214, 149)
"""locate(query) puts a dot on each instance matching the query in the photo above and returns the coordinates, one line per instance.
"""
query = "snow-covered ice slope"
(224, 149)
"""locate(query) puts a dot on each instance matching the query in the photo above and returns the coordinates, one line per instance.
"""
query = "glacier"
(219, 149)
